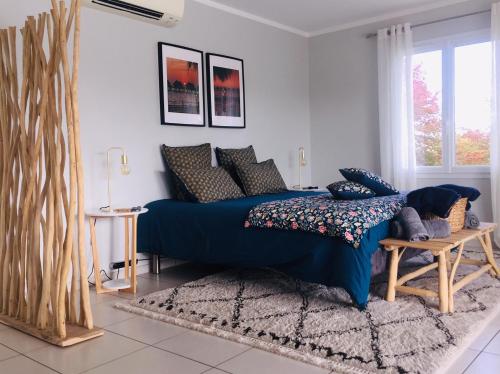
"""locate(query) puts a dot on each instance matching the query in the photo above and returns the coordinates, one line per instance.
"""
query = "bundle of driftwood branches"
(43, 268)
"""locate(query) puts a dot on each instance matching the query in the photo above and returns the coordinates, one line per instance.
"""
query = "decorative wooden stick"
(41, 213)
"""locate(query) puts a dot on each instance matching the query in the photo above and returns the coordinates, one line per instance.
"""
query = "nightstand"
(129, 283)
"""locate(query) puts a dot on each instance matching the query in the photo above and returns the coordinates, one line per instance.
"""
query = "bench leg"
(456, 263)
(393, 275)
(448, 260)
(488, 250)
(443, 283)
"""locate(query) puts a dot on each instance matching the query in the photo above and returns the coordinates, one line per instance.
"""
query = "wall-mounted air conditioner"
(165, 12)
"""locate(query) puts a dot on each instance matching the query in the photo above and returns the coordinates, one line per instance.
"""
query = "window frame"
(447, 47)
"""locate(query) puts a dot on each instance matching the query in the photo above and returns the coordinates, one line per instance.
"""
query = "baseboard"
(143, 267)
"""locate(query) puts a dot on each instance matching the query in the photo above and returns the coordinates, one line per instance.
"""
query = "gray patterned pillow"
(260, 178)
(346, 190)
(209, 185)
(191, 157)
(229, 158)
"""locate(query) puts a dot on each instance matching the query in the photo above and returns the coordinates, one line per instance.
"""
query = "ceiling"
(313, 17)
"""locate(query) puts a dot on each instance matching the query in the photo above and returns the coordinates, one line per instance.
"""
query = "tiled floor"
(134, 344)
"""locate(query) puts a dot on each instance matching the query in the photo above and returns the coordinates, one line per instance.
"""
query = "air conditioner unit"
(165, 12)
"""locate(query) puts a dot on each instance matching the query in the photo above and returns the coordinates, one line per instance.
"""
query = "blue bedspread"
(214, 233)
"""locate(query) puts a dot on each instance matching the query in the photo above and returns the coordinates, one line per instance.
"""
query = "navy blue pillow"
(370, 180)
(346, 190)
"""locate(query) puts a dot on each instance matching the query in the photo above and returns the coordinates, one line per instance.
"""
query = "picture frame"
(225, 91)
(181, 78)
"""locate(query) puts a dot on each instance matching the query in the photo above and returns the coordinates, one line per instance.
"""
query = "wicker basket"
(456, 219)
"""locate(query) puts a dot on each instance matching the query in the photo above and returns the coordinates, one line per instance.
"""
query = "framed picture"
(182, 98)
(226, 91)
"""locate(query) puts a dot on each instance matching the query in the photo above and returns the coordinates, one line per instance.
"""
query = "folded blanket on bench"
(407, 225)
(469, 192)
(437, 228)
(411, 224)
(471, 220)
(435, 200)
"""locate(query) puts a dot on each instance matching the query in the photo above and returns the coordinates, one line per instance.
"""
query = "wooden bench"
(447, 267)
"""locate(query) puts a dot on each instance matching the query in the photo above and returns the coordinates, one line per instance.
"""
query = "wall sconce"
(124, 169)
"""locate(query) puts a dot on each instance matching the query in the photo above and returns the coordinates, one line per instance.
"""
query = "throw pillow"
(346, 190)
(209, 185)
(229, 158)
(370, 180)
(260, 178)
(191, 157)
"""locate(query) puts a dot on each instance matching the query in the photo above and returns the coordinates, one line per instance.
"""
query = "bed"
(215, 233)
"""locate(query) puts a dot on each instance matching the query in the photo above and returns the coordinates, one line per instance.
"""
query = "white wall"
(334, 74)
(119, 99)
(344, 96)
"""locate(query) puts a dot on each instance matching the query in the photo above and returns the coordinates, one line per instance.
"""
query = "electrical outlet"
(121, 264)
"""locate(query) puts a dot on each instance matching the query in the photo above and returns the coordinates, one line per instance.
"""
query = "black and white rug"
(318, 325)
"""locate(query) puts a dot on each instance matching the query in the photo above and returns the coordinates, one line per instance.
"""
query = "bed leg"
(155, 264)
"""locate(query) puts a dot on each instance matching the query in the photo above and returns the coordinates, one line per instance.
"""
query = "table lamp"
(124, 169)
(302, 163)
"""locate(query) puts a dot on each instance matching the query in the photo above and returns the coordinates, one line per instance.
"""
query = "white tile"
(151, 360)
(463, 361)
(485, 363)
(20, 341)
(483, 339)
(23, 365)
(215, 371)
(203, 347)
(102, 297)
(105, 314)
(146, 330)
(6, 353)
(257, 361)
(144, 287)
(86, 355)
(494, 346)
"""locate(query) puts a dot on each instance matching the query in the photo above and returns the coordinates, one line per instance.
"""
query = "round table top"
(100, 214)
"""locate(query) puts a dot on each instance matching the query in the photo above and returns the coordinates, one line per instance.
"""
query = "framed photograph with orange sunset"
(182, 99)
(226, 91)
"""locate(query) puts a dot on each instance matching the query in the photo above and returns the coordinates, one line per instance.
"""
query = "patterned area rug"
(318, 325)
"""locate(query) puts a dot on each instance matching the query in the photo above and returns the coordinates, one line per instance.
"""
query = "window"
(452, 104)
(473, 82)
(428, 113)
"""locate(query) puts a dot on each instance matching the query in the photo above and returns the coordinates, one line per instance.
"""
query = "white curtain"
(495, 125)
(397, 143)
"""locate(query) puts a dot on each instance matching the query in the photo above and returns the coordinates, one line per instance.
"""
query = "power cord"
(92, 272)
(88, 278)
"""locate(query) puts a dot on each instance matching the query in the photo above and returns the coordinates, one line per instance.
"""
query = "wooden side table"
(447, 267)
(129, 284)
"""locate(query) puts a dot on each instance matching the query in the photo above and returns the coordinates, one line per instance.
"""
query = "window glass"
(428, 115)
(473, 93)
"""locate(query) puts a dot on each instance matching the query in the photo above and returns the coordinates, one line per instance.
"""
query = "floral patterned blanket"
(346, 219)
